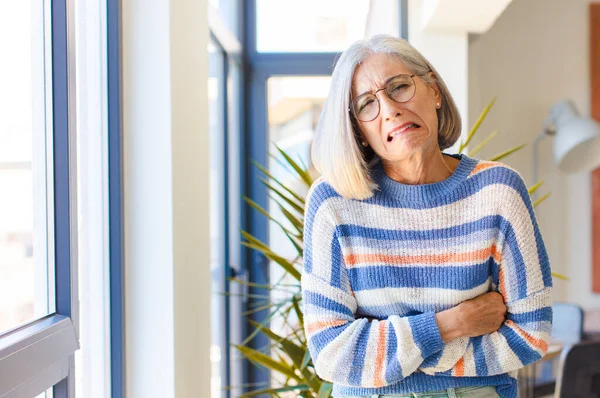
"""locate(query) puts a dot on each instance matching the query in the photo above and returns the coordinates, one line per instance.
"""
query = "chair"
(579, 371)
(567, 323)
(567, 329)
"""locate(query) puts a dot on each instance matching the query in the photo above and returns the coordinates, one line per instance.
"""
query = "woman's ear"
(433, 86)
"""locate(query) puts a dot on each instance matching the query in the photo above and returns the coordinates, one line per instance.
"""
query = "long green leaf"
(252, 239)
(482, 144)
(302, 163)
(305, 360)
(267, 361)
(267, 306)
(281, 287)
(299, 313)
(246, 295)
(295, 352)
(540, 200)
(325, 391)
(298, 387)
(295, 205)
(264, 212)
(476, 125)
(285, 264)
(560, 276)
(296, 221)
(506, 153)
(535, 187)
(262, 247)
(299, 225)
(264, 323)
(251, 284)
(296, 245)
(266, 172)
(302, 173)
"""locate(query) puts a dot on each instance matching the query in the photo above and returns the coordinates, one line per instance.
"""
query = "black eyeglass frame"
(351, 108)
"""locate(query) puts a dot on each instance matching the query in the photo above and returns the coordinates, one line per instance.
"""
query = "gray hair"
(336, 152)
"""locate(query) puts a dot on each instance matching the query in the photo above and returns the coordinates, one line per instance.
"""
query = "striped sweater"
(409, 252)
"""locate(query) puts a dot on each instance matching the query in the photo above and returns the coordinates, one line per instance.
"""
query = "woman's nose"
(388, 107)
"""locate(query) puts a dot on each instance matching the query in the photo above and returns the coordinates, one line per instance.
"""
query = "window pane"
(321, 26)
(26, 249)
(217, 214)
(47, 394)
(234, 250)
(228, 10)
(294, 106)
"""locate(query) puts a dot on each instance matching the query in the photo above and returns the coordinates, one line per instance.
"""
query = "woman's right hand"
(481, 315)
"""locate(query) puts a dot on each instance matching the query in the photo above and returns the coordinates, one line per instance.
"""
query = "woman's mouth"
(405, 128)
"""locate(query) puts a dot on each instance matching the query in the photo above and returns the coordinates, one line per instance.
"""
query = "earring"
(437, 105)
(365, 144)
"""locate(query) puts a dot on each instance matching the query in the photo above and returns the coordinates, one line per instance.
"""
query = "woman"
(425, 274)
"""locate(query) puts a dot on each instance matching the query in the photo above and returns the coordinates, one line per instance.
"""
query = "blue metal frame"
(403, 18)
(225, 365)
(115, 197)
(60, 104)
(60, 126)
(252, 263)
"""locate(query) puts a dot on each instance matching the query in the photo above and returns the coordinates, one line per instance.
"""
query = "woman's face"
(418, 114)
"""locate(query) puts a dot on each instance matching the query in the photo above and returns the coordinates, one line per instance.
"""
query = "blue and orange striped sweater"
(409, 252)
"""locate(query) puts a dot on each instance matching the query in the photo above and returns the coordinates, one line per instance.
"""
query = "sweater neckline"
(423, 192)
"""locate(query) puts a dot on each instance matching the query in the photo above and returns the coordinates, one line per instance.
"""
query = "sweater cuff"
(426, 333)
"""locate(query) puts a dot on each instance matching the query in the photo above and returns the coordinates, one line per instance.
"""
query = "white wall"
(447, 52)
(166, 202)
(536, 54)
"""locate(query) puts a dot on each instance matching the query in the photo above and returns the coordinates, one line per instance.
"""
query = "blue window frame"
(38, 356)
(115, 195)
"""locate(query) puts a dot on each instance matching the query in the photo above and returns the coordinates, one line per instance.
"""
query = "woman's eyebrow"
(386, 81)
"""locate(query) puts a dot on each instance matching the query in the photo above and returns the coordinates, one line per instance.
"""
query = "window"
(316, 25)
(216, 95)
(294, 106)
(321, 26)
(26, 236)
(228, 12)
(224, 93)
(38, 265)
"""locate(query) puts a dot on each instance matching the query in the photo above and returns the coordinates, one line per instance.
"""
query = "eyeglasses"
(399, 88)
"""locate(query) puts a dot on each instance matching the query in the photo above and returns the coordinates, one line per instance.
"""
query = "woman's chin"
(404, 146)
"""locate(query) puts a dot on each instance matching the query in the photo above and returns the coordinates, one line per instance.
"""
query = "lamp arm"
(546, 130)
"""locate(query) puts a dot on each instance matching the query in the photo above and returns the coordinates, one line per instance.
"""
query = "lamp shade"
(577, 139)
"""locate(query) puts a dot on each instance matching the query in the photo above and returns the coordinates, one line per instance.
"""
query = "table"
(527, 375)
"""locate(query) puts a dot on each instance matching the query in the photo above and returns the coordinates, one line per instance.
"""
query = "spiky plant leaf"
(506, 153)
(482, 144)
(266, 172)
(264, 212)
(267, 361)
(540, 200)
(297, 387)
(476, 125)
(301, 172)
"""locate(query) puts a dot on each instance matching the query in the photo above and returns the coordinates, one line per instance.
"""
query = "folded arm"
(522, 275)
